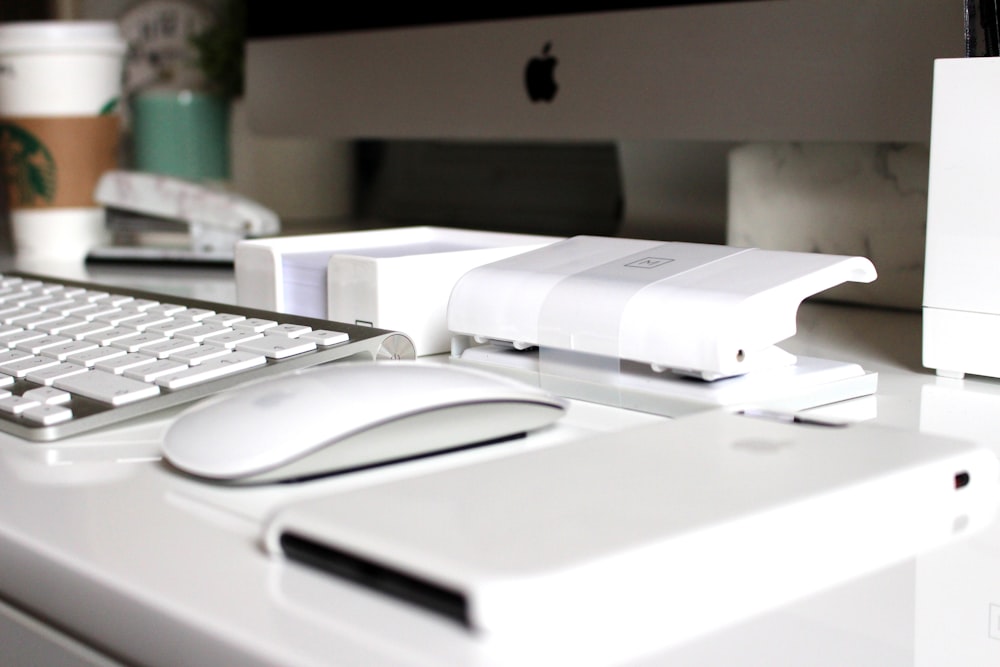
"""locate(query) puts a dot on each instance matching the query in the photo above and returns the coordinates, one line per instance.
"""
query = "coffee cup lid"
(61, 36)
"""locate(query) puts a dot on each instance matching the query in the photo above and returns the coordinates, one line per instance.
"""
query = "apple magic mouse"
(345, 416)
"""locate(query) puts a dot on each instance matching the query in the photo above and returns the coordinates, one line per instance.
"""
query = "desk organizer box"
(398, 278)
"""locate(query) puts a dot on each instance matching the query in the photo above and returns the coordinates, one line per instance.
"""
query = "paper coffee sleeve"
(51, 162)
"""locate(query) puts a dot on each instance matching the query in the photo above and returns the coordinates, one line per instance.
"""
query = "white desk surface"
(101, 541)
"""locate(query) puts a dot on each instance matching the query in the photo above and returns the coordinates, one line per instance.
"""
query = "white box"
(400, 278)
(961, 300)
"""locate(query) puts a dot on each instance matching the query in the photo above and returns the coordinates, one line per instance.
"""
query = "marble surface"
(848, 199)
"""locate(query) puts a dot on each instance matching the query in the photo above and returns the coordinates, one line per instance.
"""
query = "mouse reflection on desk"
(346, 416)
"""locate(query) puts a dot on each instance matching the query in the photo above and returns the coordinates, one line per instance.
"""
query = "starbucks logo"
(28, 166)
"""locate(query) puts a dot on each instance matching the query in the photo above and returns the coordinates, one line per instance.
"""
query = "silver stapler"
(156, 217)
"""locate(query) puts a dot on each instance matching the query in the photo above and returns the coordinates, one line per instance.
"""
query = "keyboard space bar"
(107, 387)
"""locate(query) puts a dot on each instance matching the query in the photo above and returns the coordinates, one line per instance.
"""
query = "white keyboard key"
(196, 314)
(90, 358)
(80, 333)
(10, 293)
(62, 351)
(166, 309)
(78, 309)
(137, 343)
(12, 305)
(47, 376)
(5, 311)
(107, 387)
(56, 304)
(92, 295)
(16, 339)
(9, 329)
(36, 300)
(72, 290)
(234, 362)
(202, 332)
(14, 316)
(142, 304)
(15, 405)
(118, 316)
(234, 338)
(104, 312)
(62, 326)
(36, 345)
(171, 327)
(200, 354)
(224, 319)
(255, 324)
(112, 335)
(325, 338)
(48, 414)
(13, 355)
(38, 319)
(10, 300)
(168, 347)
(24, 366)
(277, 347)
(119, 364)
(152, 372)
(48, 395)
(290, 330)
(11, 310)
(146, 320)
(118, 300)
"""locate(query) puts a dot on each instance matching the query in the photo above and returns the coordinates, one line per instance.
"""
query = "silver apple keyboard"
(77, 356)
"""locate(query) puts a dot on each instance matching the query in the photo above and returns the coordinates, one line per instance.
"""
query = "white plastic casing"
(961, 299)
(716, 311)
(659, 533)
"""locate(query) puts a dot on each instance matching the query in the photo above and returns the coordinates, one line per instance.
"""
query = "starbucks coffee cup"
(60, 83)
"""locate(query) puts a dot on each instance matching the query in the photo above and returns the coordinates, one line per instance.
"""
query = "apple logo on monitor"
(539, 76)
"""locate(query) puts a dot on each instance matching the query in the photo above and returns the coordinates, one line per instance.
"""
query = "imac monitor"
(793, 70)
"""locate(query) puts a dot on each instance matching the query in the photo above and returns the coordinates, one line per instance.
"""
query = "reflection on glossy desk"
(107, 555)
